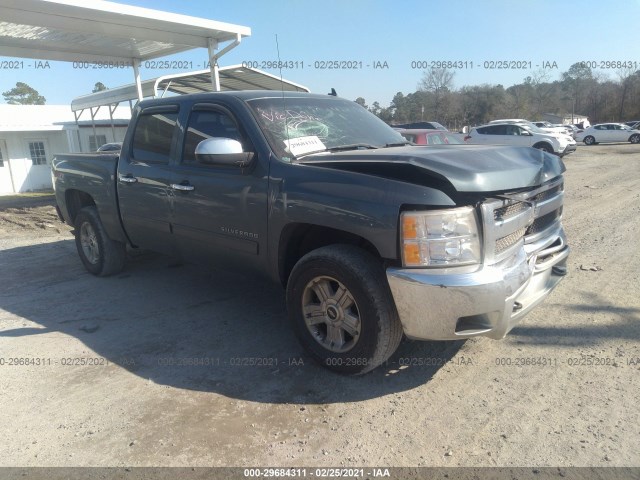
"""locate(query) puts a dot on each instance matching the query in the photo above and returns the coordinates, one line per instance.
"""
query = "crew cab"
(371, 237)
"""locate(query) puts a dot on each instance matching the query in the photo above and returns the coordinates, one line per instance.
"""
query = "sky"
(390, 43)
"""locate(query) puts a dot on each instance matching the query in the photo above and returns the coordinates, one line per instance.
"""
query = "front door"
(219, 212)
(516, 135)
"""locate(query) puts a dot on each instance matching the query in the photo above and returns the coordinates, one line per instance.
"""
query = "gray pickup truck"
(372, 237)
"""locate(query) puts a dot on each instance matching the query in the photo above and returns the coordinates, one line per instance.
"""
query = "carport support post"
(136, 74)
(77, 116)
(113, 128)
(93, 125)
(213, 64)
(213, 58)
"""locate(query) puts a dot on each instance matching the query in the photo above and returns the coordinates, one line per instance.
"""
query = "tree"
(627, 77)
(438, 82)
(23, 94)
(99, 86)
(575, 80)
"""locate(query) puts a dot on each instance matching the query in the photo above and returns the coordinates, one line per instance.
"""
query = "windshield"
(318, 124)
(532, 126)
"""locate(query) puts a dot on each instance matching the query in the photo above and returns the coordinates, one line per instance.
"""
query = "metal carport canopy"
(100, 31)
(233, 77)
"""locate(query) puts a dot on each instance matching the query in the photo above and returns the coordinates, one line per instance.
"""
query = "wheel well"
(77, 200)
(299, 239)
(543, 143)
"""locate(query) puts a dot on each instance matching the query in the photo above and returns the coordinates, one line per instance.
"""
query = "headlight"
(440, 238)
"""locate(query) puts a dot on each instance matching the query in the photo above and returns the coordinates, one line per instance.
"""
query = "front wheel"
(635, 138)
(100, 255)
(545, 147)
(341, 309)
(589, 140)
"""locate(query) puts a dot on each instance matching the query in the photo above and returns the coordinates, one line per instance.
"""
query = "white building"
(30, 135)
(566, 119)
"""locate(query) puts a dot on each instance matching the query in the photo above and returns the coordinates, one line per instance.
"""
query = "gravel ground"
(157, 366)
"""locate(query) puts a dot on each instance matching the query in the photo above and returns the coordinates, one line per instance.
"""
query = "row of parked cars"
(560, 140)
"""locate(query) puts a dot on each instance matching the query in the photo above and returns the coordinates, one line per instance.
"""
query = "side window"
(409, 136)
(152, 137)
(96, 141)
(205, 124)
(434, 140)
(38, 152)
(600, 127)
(496, 130)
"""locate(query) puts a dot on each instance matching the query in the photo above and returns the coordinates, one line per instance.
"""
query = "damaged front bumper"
(438, 304)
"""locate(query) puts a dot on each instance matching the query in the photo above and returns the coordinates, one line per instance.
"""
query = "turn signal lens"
(412, 253)
(409, 227)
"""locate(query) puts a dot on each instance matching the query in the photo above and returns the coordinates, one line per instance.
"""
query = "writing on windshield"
(335, 122)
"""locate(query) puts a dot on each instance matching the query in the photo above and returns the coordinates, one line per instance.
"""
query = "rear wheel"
(589, 140)
(341, 309)
(100, 255)
(635, 138)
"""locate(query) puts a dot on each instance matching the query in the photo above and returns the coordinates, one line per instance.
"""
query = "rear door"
(484, 135)
(144, 179)
(495, 135)
(219, 213)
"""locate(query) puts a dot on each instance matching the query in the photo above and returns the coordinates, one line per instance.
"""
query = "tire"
(545, 147)
(356, 326)
(589, 140)
(100, 255)
(635, 138)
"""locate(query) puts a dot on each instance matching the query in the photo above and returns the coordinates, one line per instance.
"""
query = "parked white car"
(573, 130)
(550, 127)
(608, 132)
(523, 135)
(521, 121)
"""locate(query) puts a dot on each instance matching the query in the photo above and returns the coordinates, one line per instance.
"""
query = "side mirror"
(224, 152)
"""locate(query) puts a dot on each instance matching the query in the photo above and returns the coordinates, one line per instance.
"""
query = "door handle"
(182, 188)
(127, 179)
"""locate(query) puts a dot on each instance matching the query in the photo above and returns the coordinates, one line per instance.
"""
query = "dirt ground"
(173, 365)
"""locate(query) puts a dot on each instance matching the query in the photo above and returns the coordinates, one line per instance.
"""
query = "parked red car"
(430, 137)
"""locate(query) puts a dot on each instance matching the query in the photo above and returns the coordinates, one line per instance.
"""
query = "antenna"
(284, 103)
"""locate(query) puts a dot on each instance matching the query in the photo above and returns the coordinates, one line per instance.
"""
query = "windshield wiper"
(353, 146)
(400, 144)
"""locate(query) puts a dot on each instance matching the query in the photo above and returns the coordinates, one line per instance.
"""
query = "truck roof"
(241, 95)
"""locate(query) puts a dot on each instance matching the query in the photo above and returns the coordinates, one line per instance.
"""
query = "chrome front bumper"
(443, 305)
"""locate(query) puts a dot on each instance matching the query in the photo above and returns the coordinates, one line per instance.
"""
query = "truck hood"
(467, 168)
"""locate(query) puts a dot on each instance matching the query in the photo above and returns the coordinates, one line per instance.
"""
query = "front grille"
(504, 243)
(520, 217)
(509, 211)
(544, 222)
(542, 196)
